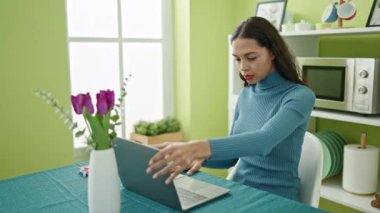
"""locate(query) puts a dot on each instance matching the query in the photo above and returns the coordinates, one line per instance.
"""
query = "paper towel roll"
(360, 169)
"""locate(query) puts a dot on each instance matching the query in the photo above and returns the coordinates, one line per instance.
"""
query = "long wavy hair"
(267, 36)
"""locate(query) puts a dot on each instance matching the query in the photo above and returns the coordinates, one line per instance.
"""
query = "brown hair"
(267, 36)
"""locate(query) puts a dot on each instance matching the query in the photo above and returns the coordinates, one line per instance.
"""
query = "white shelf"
(306, 43)
(372, 120)
(343, 31)
(332, 190)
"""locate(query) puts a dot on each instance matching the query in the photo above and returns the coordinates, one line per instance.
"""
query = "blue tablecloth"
(64, 190)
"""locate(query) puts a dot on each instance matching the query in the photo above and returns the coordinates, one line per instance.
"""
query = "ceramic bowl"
(346, 11)
(330, 14)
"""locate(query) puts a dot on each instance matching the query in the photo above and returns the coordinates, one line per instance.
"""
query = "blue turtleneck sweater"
(266, 137)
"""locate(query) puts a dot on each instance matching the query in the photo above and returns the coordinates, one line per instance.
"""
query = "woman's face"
(255, 62)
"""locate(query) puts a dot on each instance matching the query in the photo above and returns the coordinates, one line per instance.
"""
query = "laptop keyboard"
(188, 197)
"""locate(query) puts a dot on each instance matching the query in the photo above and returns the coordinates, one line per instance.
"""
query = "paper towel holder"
(363, 141)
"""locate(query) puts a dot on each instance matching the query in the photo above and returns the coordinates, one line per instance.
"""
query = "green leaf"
(106, 121)
(80, 133)
(73, 126)
(98, 133)
(112, 126)
(113, 135)
(115, 118)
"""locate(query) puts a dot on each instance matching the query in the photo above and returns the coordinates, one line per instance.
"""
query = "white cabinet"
(307, 44)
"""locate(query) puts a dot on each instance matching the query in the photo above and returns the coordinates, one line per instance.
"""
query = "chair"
(309, 170)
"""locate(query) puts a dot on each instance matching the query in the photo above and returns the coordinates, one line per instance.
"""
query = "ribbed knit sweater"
(267, 133)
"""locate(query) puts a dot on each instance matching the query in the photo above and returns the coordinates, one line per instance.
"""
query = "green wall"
(201, 65)
(181, 25)
(33, 54)
(199, 80)
(201, 30)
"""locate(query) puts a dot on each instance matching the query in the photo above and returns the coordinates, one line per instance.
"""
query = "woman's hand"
(174, 158)
(196, 165)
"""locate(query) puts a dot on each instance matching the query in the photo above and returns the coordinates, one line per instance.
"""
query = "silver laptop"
(132, 161)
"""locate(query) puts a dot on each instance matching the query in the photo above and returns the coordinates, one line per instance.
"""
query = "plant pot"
(167, 137)
(103, 182)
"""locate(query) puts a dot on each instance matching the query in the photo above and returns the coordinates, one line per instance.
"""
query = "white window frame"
(167, 62)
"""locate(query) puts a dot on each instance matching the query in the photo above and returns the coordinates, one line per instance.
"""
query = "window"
(111, 39)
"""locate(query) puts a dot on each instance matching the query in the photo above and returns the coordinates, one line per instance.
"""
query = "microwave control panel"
(365, 82)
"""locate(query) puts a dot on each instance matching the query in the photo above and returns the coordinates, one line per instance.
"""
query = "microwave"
(345, 84)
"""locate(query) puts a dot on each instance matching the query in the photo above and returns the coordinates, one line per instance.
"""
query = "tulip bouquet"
(100, 124)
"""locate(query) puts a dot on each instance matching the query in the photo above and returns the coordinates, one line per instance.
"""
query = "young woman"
(270, 120)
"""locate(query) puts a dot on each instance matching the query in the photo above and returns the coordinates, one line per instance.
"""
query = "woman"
(269, 123)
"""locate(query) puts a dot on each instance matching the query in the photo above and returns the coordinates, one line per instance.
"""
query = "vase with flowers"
(103, 179)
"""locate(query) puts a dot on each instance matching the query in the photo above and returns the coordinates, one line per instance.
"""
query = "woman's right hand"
(195, 166)
(176, 157)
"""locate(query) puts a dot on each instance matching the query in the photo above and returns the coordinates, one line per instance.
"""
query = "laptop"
(183, 193)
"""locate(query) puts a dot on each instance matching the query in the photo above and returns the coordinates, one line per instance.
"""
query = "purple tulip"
(80, 101)
(105, 101)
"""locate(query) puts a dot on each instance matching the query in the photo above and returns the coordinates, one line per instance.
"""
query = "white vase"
(103, 182)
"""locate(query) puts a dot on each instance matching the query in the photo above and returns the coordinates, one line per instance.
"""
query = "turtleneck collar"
(273, 79)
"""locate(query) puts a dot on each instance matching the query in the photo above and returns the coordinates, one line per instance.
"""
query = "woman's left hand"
(174, 158)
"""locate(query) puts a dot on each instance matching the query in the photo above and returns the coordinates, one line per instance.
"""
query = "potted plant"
(165, 130)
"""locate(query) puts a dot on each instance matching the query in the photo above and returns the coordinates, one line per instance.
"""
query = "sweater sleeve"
(220, 164)
(223, 164)
(296, 108)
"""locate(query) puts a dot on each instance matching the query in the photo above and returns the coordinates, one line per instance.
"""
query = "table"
(65, 190)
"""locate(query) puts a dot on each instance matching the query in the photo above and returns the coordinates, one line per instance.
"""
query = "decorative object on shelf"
(303, 26)
(330, 13)
(322, 26)
(360, 167)
(374, 16)
(346, 10)
(289, 27)
(339, 10)
(376, 202)
(273, 11)
(164, 130)
(332, 147)
(103, 182)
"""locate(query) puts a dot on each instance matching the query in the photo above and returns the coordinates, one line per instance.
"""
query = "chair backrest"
(231, 171)
(310, 170)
